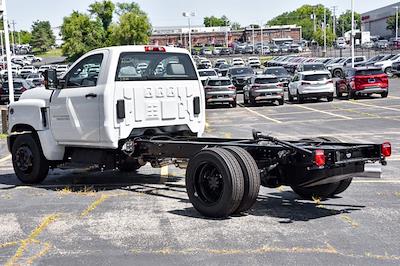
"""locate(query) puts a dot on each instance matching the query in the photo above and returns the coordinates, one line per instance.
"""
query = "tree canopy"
(215, 21)
(344, 22)
(391, 24)
(42, 36)
(84, 32)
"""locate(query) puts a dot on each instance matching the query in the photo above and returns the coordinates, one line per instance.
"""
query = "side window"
(359, 59)
(85, 73)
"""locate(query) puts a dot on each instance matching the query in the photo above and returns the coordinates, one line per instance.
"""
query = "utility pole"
(352, 33)
(3, 8)
(252, 27)
(397, 22)
(315, 21)
(262, 39)
(324, 52)
(12, 36)
(2, 48)
(334, 8)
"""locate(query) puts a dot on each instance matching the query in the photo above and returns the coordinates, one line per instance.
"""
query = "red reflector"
(386, 149)
(154, 49)
(319, 158)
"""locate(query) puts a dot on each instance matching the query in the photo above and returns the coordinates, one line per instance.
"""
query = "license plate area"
(371, 80)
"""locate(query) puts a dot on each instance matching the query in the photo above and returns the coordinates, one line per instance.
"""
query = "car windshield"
(313, 67)
(241, 71)
(369, 72)
(175, 66)
(207, 73)
(338, 60)
(219, 82)
(316, 77)
(276, 71)
(266, 80)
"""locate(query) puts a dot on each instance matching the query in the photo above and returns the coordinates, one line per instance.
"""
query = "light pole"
(252, 28)
(3, 9)
(189, 15)
(2, 47)
(262, 39)
(352, 33)
(397, 21)
(324, 52)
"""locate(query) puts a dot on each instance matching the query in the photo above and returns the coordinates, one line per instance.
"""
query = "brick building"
(219, 35)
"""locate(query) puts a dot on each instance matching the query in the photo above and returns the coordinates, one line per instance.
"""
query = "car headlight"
(329, 67)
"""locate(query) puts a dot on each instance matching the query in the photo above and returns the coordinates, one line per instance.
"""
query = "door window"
(85, 73)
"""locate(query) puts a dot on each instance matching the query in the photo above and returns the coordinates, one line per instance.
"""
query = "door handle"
(91, 95)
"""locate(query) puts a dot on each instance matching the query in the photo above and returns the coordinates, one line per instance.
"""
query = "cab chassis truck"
(107, 112)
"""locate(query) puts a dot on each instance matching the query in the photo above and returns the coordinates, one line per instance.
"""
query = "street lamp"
(189, 15)
(397, 21)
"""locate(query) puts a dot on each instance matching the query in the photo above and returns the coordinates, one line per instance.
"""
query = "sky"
(169, 12)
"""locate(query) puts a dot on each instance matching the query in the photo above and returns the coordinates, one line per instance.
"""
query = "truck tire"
(128, 165)
(234, 104)
(251, 175)
(245, 100)
(320, 191)
(343, 186)
(300, 98)
(214, 182)
(30, 165)
(281, 102)
(252, 101)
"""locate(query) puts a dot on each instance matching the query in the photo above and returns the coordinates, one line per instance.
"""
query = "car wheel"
(281, 101)
(214, 182)
(338, 93)
(330, 98)
(245, 100)
(291, 98)
(350, 94)
(29, 163)
(252, 101)
(338, 73)
(388, 71)
(320, 191)
(385, 94)
(251, 174)
(234, 104)
(300, 98)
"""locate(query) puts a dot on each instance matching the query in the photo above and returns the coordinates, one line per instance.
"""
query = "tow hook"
(129, 147)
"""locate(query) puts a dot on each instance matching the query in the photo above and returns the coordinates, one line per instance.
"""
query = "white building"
(375, 21)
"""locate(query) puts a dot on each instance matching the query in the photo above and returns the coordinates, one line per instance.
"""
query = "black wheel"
(330, 98)
(337, 73)
(300, 98)
(350, 94)
(234, 104)
(388, 71)
(245, 100)
(281, 101)
(343, 185)
(252, 101)
(251, 176)
(338, 93)
(128, 165)
(385, 94)
(320, 191)
(214, 182)
(29, 163)
(291, 98)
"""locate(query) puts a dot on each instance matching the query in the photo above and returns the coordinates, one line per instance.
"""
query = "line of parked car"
(303, 78)
(25, 78)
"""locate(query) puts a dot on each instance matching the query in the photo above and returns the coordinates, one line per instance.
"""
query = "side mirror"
(50, 79)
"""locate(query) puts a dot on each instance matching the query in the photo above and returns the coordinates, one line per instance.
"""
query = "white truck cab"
(104, 99)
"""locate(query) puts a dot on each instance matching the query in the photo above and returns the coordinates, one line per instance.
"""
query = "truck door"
(74, 109)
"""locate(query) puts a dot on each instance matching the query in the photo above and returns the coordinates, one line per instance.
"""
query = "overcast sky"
(169, 12)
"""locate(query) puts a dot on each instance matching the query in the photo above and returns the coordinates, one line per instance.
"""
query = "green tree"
(216, 22)
(26, 36)
(133, 28)
(236, 26)
(123, 8)
(391, 24)
(104, 11)
(81, 34)
(344, 22)
(304, 17)
(42, 36)
(318, 36)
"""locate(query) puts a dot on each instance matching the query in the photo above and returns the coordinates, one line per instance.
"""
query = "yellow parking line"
(375, 106)
(261, 115)
(8, 157)
(94, 205)
(323, 112)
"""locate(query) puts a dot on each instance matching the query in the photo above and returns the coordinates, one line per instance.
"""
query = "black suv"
(239, 76)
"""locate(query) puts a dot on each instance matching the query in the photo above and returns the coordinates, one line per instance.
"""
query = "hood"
(38, 93)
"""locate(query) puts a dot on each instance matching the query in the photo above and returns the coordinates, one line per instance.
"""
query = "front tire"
(385, 94)
(214, 182)
(30, 165)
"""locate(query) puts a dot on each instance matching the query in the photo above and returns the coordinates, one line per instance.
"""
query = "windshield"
(241, 71)
(266, 80)
(316, 77)
(338, 60)
(219, 82)
(313, 67)
(369, 72)
(276, 71)
(207, 73)
(160, 66)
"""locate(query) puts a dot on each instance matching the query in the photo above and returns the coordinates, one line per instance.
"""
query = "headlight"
(329, 67)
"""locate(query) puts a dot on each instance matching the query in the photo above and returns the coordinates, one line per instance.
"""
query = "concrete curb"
(3, 148)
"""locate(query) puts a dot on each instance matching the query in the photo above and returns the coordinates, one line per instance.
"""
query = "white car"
(254, 62)
(311, 84)
(43, 68)
(61, 69)
(386, 65)
(207, 73)
(206, 62)
(236, 60)
(26, 70)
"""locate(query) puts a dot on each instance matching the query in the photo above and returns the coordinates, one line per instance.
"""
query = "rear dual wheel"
(222, 181)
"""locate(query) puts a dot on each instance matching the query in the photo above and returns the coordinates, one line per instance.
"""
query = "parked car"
(237, 62)
(37, 79)
(225, 51)
(206, 63)
(205, 51)
(386, 65)
(20, 85)
(382, 44)
(43, 68)
(254, 62)
(279, 72)
(363, 81)
(206, 73)
(239, 76)
(367, 45)
(263, 88)
(61, 69)
(27, 70)
(310, 67)
(337, 68)
(396, 69)
(311, 84)
(219, 62)
(219, 90)
(223, 70)
(295, 48)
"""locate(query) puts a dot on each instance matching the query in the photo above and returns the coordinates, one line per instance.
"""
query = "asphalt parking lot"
(85, 217)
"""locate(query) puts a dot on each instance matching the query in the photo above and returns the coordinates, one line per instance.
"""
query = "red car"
(363, 81)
